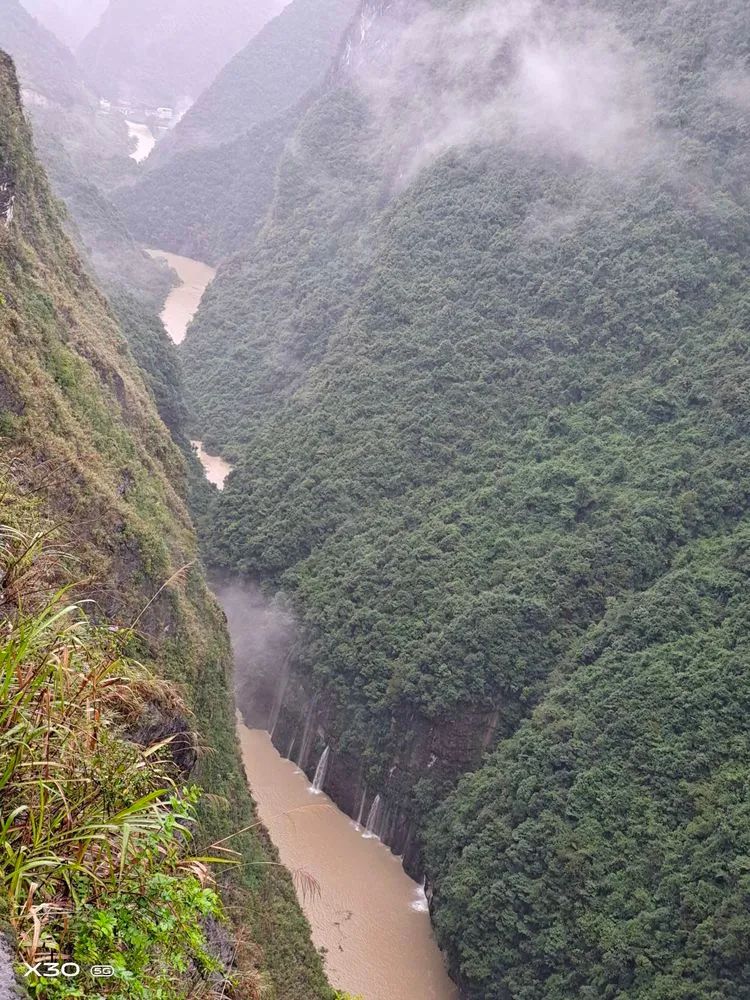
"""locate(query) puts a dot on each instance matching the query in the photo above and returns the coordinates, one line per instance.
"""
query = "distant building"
(105, 106)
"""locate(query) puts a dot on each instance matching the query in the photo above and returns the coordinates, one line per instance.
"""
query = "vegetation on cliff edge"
(79, 432)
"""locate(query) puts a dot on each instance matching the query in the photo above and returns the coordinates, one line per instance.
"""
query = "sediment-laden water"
(371, 918)
(216, 468)
(183, 301)
(367, 913)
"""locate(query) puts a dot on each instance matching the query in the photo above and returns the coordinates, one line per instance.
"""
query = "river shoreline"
(365, 911)
(183, 301)
(181, 305)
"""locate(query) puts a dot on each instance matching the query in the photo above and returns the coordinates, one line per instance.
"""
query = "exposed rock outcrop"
(7, 197)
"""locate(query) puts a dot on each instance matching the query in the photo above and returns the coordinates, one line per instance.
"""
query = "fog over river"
(367, 913)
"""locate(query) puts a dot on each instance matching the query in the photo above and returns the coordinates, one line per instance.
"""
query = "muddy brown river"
(181, 305)
(183, 301)
(367, 913)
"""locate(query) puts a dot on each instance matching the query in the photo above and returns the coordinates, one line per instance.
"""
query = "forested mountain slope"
(290, 56)
(485, 376)
(54, 18)
(49, 66)
(206, 203)
(84, 154)
(210, 182)
(168, 53)
(87, 464)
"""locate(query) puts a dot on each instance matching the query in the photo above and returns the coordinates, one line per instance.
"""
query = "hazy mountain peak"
(167, 52)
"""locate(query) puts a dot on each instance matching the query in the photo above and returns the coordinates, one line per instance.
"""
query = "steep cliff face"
(7, 197)
(84, 152)
(81, 439)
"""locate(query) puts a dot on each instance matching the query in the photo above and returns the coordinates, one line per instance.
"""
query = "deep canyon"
(364, 910)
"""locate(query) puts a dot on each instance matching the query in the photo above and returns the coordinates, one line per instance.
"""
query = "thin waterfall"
(304, 749)
(373, 818)
(290, 751)
(421, 903)
(361, 812)
(280, 694)
(320, 772)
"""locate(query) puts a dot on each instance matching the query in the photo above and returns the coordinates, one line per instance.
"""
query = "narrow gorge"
(394, 503)
(364, 910)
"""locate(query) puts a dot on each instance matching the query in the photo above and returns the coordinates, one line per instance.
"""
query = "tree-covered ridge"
(601, 851)
(208, 203)
(558, 469)
(41, 56)
(60, 100)
(277, 307)
(211, 181)
(268, 77)
(85, 153)
(69, 20)
(490, 422)
(80, 434)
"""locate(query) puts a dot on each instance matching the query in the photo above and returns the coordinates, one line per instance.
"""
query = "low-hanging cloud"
(264, 633)
(529, 75)
(734, 86)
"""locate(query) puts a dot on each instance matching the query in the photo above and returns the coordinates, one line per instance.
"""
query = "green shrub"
(95, 865)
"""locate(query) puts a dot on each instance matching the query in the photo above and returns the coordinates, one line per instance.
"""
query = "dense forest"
(478, 351)
(290, 56)
(484, 376)
(207, 203)
(113, 656)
